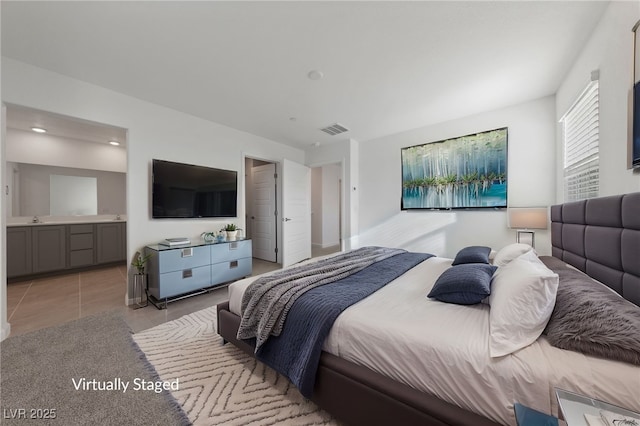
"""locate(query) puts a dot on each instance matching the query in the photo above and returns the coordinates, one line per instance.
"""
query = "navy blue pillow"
(472, 254)
(464, 284)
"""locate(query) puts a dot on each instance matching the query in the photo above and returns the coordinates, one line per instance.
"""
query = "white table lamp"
(525, 219)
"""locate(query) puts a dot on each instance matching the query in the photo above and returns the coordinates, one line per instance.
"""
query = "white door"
(296, 213)
(263, 219)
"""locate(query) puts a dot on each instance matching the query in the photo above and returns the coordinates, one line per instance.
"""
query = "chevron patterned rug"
(220, 384)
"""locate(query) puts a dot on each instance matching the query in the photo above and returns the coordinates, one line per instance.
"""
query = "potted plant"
(232, 231)
(139, 278)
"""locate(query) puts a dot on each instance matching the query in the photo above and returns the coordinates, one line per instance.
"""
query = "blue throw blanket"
(295, 353)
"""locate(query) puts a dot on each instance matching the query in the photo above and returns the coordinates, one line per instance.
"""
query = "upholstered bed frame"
(600, 237)
(357, 395)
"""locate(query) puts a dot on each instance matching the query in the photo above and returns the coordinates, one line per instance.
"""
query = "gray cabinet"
(81, 245)
(19, 252)
(48, 244)
(175, 271)
(111, 242)
(37, 249)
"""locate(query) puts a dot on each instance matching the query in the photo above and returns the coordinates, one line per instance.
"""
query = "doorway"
(261, 208)
(77, 150)
(326, 209)
(266, 220)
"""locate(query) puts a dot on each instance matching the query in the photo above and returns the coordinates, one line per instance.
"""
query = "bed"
(359, 385)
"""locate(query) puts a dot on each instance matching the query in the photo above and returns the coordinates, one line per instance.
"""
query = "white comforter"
(443, 349)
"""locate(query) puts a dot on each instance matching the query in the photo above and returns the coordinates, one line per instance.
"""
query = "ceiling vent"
(334, 129)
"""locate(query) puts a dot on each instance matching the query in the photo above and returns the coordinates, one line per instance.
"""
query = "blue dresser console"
(179, 271)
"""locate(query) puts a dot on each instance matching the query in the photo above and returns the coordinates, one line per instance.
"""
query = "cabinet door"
(49, 244)
(109, 242)
(18, 251)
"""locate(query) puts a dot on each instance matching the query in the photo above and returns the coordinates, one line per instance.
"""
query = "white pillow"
(523, 295)
(510, 252)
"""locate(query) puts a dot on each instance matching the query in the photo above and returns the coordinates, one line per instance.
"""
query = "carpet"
(220, 384)
(42, 372)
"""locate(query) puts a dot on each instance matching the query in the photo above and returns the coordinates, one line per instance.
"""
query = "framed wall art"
(460, 173)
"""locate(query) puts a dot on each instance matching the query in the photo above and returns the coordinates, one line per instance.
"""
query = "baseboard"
(132, 301)
(324, 246)
(6, 331)
(337, 243)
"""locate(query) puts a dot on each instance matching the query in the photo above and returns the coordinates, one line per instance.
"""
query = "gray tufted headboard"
(601, 237)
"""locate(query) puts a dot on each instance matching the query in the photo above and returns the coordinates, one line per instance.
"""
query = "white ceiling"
(388, 66)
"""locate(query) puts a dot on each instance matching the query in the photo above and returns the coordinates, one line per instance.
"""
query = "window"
(581, 146)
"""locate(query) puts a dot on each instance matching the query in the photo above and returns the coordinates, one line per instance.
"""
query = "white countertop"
(51, 220)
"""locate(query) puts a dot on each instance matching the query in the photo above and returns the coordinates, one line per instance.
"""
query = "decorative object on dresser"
(525, 220)
(196, 268)
(232, 231)
(171, 242)
(209, 237)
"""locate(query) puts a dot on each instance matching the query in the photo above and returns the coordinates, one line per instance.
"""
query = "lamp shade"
(527, 217)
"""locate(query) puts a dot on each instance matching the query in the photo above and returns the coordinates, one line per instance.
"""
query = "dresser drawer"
(184, 258)
(183, 281)
(230, 251)
(80, 241)
(81, 229)
(230, 270)
(79, 258)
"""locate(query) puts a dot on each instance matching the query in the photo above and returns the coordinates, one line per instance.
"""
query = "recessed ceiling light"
(39, 130)
(292, 119)
(114, 143)
(315, 75)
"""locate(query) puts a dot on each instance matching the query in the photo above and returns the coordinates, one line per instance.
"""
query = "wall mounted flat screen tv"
(189, 191)
(459, 173)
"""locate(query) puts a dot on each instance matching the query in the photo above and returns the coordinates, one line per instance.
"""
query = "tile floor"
(44, 302)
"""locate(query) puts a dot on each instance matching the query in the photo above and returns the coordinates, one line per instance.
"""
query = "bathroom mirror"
(73, 196)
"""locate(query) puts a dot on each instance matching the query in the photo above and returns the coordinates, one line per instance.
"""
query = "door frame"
(278, 216)
(278, 163)
(342, 201)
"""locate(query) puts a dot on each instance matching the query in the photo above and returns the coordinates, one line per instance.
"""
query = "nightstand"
(574, 407)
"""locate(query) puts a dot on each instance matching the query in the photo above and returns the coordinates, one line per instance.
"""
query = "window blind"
(581, 146)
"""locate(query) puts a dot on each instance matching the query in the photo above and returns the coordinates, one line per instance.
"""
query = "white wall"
(609, 50)
(531, 182)
(153, 132)
(325, 205)
(37, 148)
(316, 206)
(331, 175)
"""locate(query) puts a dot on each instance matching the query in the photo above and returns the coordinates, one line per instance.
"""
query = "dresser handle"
(233, 246)
(233, 264)
(187, 252)
(187, 273)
